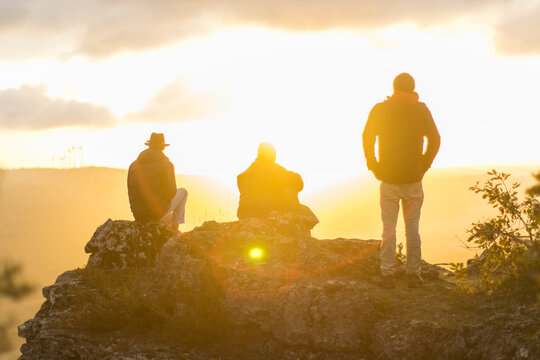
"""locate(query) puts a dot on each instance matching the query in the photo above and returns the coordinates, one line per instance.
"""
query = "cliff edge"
(260, 289)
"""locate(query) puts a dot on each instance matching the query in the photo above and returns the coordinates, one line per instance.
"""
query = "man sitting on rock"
(152, 188)
(266, 186)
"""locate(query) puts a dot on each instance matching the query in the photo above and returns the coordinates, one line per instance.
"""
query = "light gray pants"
(412, 197)
(177, 211)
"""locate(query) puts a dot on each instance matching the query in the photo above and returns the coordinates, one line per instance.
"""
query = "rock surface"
(262, 289)
(122, 243)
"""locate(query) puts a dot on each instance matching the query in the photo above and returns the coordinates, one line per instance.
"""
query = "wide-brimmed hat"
(156, 139)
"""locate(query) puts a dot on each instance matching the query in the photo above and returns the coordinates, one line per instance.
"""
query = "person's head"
(404, 82)
(266, 152)
(157, 141)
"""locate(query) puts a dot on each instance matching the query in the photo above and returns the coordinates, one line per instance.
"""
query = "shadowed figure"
(266, 186)
(152, 186)
(400, 125)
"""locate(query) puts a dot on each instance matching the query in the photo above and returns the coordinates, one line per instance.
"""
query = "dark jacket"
(400, 123)
(265, 187)
(151, 185)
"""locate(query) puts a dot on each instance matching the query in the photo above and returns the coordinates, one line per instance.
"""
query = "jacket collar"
(404, 97)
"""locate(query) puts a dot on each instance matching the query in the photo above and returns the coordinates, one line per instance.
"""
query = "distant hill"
(46, 212)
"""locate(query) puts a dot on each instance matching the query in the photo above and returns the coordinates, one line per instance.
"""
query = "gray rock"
(208, 295)
(121, 244)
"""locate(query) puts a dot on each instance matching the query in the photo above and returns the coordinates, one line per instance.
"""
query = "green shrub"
(11, 286)
(535, 190)
(510, 261)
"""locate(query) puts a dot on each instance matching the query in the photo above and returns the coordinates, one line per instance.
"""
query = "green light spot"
(256, 253)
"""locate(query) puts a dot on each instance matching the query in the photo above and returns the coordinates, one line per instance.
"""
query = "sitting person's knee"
(182, 191)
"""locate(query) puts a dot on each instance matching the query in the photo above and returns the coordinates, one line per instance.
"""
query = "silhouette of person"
(399, 125)
(266, 186)
(152, 186)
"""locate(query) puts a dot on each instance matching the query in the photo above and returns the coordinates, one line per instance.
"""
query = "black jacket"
(400, 124)
(265, 187)
(151, 185)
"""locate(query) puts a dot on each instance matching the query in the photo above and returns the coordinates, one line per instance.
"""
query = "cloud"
(12, 13)
(328, 14)
(29, 108)
(107, 27)
(179, 102)
(139, 25)
(520, 34)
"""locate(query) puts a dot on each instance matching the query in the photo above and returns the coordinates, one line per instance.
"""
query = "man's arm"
(368, 141)
(170, 184)
(241, 182)
(433, 140)
(295, 181)
(131, 182)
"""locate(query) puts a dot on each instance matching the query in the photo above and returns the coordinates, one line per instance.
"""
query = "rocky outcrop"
(120, 244)
(262, 289)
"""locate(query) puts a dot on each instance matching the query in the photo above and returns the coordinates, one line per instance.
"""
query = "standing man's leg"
(389, 214)
(412, 196)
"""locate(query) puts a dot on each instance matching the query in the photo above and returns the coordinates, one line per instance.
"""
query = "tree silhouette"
(10, 287)
(535, 191)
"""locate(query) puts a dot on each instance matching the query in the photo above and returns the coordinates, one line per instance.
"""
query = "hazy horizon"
(76, 201)
(230, 183)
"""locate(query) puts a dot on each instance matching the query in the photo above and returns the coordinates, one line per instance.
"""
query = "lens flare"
(256, 253)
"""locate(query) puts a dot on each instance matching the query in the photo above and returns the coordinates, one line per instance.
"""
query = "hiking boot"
(414, 281)
(387, 282)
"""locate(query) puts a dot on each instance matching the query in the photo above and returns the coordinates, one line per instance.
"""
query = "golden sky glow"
(218, 93)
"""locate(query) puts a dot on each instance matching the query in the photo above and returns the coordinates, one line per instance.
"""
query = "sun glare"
(256, 253)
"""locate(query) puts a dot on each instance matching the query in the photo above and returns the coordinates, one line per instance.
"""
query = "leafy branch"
(510, 240)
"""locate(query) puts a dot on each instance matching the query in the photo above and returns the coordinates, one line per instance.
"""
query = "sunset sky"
(220, 76)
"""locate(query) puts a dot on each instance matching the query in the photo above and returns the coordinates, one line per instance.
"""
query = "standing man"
(400, 124)
(152, 186)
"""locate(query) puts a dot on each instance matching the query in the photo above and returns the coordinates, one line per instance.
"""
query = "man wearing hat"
(152, 186)
(400, 125)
